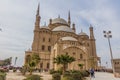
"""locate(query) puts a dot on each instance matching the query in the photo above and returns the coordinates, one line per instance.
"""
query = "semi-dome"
(45, 27)
(59, 20)
(68, 38)
(63, 28)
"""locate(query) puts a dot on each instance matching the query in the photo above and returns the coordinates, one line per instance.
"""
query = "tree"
(5, 62)
(34, 60)
(64, 60)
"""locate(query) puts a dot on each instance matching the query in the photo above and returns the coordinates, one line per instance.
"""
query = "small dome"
(63, 28)
(82, 33)
(45, 27)
(68, 38)
(59, 20)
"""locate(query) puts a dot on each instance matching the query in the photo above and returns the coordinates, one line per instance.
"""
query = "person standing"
(92, 72)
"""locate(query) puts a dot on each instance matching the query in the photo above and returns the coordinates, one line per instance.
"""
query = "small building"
(117, 67)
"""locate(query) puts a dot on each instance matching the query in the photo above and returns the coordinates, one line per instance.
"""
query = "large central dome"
(63, 28)
(59, 20)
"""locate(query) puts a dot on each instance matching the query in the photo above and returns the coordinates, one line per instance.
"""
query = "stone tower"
(93, 56)
(35, 44)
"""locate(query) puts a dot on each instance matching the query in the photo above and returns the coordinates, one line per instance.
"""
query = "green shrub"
(2, 76)
(23, 71)
(14, 70)
(33, 77)
(67, 78)
(52, 71)
(57, 71)
(77, 76)
(56, 76)
(67, 73)
(85, 73)
(4, 70)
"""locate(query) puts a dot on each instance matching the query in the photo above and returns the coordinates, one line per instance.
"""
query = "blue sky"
(17, 18)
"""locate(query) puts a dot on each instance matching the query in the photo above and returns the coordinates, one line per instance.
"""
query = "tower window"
(49, 48)
(48, 65)
(81, 56)
(43, 47)
(41, 65)
(49, 40)
(43, 39)
(66, 53)
(73, 53)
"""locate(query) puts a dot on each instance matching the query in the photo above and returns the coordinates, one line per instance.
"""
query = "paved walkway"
(18, 76)
(46, 76)
(103, 76)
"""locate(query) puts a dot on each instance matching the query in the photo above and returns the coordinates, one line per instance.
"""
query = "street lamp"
(108, 36)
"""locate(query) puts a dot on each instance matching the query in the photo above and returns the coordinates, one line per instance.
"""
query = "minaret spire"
(38, 9)
(69, 19)
(37, 22)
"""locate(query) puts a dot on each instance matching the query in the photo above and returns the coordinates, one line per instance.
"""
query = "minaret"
(93, 54)
(35, 44)
(73, 27)
(37, 22)
(69, 19)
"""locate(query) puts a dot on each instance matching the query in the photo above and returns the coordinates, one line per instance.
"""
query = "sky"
(17, 20)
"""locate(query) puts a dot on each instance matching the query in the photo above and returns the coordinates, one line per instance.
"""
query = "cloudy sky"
(17, 18)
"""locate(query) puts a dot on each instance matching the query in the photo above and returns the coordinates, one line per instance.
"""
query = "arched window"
(81, 56)
(28, 58)
(49, 48)
(43, 47)
(49, 40)
(66, 53)
(41, 65)
(73, 53)
(48, 65)
(43, 39)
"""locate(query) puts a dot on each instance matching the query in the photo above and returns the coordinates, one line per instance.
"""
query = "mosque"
(60, 37)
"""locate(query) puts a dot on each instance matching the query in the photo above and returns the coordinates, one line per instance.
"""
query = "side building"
(116, 63)
(60, 37)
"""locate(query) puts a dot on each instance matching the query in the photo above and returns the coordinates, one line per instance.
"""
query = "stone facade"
(60, 37)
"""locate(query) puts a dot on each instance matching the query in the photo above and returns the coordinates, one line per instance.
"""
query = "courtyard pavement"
(46, 76)
(103, 76)
(18, 76)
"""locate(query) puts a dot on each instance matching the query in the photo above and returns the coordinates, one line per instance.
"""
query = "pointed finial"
(69, 18)
(81, 30)
(69, 15)
(58, 16)
(38, 9)
(45, 24)
(91, 25)
(50, 21)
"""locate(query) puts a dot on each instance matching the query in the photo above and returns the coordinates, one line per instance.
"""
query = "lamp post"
(108, 36)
